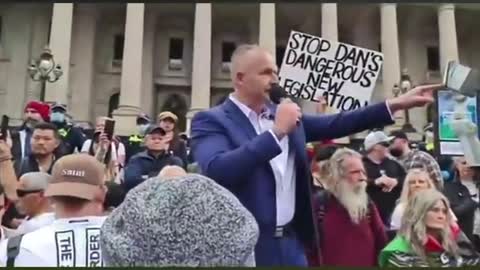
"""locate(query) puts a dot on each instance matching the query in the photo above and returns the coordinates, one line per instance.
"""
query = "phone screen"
(109, 128)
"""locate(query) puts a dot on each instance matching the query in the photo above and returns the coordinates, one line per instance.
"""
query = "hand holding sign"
(417, 97)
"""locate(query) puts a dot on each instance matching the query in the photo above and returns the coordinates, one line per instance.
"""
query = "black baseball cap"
(154, 129)
(57, 107)
(398, 134)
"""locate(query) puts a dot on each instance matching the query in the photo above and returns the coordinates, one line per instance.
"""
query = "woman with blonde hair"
(427, 236)
(416, 180)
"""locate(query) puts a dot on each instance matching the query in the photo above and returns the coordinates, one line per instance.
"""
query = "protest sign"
(344, 74)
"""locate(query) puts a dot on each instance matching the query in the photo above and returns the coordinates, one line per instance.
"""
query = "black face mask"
(396, 152)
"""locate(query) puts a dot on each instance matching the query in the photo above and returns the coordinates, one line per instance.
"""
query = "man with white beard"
(350, 228)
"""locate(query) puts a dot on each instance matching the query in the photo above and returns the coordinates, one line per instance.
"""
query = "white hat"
(376, 137)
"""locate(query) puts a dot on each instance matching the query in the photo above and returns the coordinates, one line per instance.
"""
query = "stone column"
(201, 70)
(131, 78)
(267, 32)
(391, 54)
(83, 56)
(329, 21)
(148, 95)
(390, 48)
(60, 42)
(447, 34)
(17, 49)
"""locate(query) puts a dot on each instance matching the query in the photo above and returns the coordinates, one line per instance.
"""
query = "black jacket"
(17, 149)
(462, 205)
(144, 165)
(72, 138)
(385, 201)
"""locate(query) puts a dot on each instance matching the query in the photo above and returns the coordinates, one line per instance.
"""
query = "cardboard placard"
(344, 74)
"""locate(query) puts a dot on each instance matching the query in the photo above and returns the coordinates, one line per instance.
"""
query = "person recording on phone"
(150, 162)
(256, 149)
(106, 149)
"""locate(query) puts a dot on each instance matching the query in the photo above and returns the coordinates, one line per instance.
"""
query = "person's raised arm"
(8, 178)
(369, 117)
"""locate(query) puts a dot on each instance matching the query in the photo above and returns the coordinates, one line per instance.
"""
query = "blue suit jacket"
(228, 150)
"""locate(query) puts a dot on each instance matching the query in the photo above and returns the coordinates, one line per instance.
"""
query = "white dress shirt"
(283, 165)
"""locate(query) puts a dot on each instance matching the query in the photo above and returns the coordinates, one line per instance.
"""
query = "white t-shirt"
(115, 153)
(73, 242)
(30, 225)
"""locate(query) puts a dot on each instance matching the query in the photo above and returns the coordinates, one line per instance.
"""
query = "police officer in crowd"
(134, 144)
(77, 191)
(72, 137)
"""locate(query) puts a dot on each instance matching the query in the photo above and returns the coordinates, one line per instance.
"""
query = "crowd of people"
(243, 190)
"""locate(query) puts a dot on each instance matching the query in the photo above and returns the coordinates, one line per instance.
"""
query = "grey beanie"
(179, 221)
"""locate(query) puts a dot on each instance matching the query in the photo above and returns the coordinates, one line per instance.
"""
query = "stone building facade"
(123, 58)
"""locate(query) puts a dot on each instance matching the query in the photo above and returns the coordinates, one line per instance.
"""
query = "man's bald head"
(238, 57)
(253, 70)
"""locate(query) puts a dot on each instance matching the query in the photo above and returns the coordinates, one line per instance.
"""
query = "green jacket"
(398, 244)
(398, 253)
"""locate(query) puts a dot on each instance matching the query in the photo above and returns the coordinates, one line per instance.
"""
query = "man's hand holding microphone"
(288, 113)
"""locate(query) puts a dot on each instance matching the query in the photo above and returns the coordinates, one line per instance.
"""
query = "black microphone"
(277, 93)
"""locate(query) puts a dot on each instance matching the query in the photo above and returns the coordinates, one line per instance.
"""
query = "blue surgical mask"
(142, 129)
(57, 117)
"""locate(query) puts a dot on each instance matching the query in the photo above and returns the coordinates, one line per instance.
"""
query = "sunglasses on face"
(23, 193)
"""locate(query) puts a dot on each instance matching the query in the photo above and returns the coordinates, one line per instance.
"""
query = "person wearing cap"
(72, 137)
(168, 121)
(149, 162)
(414, 158)
(186, 220)
(35, 112)
(32, 202)
(256, 149)
(77, 192)
(134, 144)
(385, 176)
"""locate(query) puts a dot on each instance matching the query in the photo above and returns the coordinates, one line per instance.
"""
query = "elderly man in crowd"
(150, 162)
(350, 228)
(256, 149)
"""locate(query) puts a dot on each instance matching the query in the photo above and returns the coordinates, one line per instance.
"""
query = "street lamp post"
(45, 70)
(405, 86)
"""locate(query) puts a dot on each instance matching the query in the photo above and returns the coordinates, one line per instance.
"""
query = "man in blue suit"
(257, 151)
